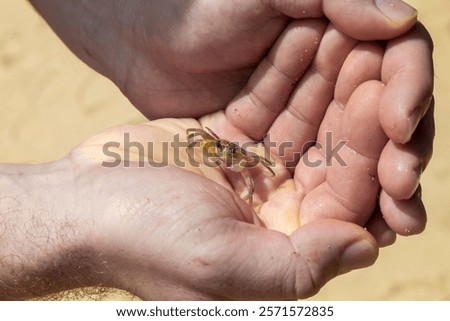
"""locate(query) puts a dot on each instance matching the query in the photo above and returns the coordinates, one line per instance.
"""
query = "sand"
(50, 101)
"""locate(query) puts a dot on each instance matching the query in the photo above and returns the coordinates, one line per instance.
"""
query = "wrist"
(45, 239)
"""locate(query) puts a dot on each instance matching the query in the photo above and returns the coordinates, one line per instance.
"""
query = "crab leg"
(190, 148)
(267, 163)
(212, 133)
(197, 131)
(245, 173)
(263, 161)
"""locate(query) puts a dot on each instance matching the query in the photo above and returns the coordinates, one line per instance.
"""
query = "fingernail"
(396, 10)
(357, 255)
(416, 116)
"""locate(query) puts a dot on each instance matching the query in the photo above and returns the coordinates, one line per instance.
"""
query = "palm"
(194, 231)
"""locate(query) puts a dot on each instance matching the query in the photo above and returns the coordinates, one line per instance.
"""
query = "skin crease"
(203, 246)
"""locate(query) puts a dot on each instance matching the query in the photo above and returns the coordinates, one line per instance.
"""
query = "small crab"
(229, 154)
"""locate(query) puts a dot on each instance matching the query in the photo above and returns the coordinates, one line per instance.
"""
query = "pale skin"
(74, 223)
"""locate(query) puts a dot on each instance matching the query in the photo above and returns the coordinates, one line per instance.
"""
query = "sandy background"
(50, 101)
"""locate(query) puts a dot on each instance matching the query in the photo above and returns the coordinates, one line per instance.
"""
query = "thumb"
(273, 265)
(360, 19)
(328, 248)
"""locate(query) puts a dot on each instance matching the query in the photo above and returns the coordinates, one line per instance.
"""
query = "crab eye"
(218, 144)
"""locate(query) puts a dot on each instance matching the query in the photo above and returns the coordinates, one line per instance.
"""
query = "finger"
(380, 230)
(404, 217)
(351, 185)
(299, 265)
(401, 166)
(305, 110)
(408, 75)
(362, 64)
(268, 89)
(362, 19)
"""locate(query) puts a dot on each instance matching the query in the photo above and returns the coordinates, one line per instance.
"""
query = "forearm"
(43, 241)
(88, 29)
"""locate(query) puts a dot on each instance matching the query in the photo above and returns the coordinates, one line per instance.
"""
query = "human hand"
(160, 231)
(171, 66)
(190, 58)
(167, 233)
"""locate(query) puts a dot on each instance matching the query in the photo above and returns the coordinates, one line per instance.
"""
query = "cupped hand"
(190, 58)
(170, 230)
